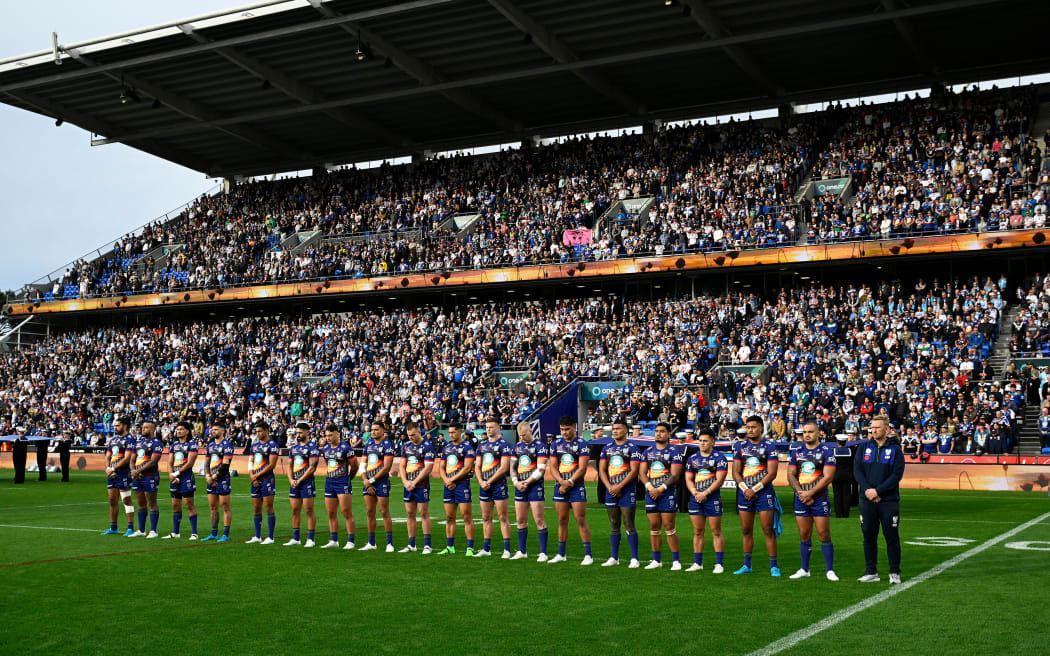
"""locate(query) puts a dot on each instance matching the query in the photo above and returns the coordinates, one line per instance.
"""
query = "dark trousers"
(887, 515)
(18, 458)
(841, 497)
(41, 460)
(63, 458)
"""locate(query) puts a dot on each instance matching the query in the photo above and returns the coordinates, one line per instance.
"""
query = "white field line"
(50, 528)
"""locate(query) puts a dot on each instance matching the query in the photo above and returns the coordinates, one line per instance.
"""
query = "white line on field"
(55, 505)
(793, 639)
(50, 528)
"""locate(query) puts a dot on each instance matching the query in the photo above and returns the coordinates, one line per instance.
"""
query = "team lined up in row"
(135, 466)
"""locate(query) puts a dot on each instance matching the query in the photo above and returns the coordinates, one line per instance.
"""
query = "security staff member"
(64, 443)
(842, 484)
(878, 468)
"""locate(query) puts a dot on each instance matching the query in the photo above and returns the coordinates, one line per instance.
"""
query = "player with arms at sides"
(570, 494)
(755, 466)
(455, 465)
(118, 477)
(379, 460)
(705, 472)
(417, 463)
(302, 489)
(145, 476)
(182, 482)
(341, 465)
(618, 470)
(879, 468)
(218, 457)
(527, 467)
(810, 472)
(491, 466)
(660, 471)
(264, 455)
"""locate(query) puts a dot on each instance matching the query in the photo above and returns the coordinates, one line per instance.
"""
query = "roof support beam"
(904, 27)
(551, 44)
(422, 71)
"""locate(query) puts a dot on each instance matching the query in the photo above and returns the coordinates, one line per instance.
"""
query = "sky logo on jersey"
(617, 465)
(140, 457)
(753, 466)
(452, 464)
(807, 473)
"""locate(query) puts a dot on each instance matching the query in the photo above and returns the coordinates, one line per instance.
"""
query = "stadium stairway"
(1001, 348)
(1028, 441)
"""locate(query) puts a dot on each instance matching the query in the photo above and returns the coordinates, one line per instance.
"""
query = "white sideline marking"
(55, 505)
(50, 528)
(793, 639)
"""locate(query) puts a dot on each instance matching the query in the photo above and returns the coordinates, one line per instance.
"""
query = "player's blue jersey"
(117, 446)
(660, 462)
(705, 468)
(528, 457)
(491, 455)
(337, 460)
(145, 448)
(755, 459)
(568, 454)
(810, 464)
(455, 457)
(216, 453)
(375, 452)
(260, 455)
(182, 451)
(619, 458)
(416, 458)
(300, 455)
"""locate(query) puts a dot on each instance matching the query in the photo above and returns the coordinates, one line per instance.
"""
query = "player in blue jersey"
(705, 472)
(755, 466)
(118, 477)
(810, 472)
(145, 477)
(218, 458)
(455, 466)
(660, 471)
(302, 460)
(570, 494)
(264, 455)
(341, 463)
(182, 482)
(491, 466)
(527, 468)
(416, 465)
(618, 470)
(379, 460)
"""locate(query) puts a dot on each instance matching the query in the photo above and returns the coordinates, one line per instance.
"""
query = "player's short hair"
(221, 423)
(123, 420)
(380, 423)
(330, 427)
(303, 425)
(185, 424)
(411, 426)
(492, 420)
(883, 418)
(622, 421)
(811, 421)
(706, 430)
(566, 420)
(262, 424)
(755, 418)
(457, 425)
(664, 424)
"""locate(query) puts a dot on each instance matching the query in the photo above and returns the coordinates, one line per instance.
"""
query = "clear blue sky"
(59, 197)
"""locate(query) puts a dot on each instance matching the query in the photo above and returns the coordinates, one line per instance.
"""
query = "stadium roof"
(281, 86)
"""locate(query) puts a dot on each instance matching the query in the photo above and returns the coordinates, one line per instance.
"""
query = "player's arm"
(464, 474)
(428, 466)
(442, 472)
(643, 476)
(125, 460)
(793, 475)
(772, 465)
(514, 474)
(172, 473)
(384, 469)
(504, 468)
(581, 471)
(716, 486)
(154, 460)
(191, 460)
(402, 466)
(632, 472)
(288, 472)
(690, 483)
(482, 483)
(603, 471)
(311, 467)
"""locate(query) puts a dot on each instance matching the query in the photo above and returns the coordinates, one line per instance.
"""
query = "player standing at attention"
(118, 477)
(145, 476)
(219, 455)
(810, 471)
(302, 456)
(417, 463)
(570, 492)
(754, 470)
(618, 471)
(338, 485)
(527, 471)
(491, 467)
(264, 454)
(660, 471)
(705, 472)
(455, 465)
(379, 459)
(183, 484)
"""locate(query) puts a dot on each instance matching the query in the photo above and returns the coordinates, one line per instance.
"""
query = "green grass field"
(73, 591)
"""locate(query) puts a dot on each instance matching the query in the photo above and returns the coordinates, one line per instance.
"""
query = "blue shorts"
(820, 508)
(120, 481)
(497, 492)
(533, 492)
(382, 488)
(667, 503)
(419, 494)
(461, 493)
(711, 507)
(185, 488)
(267, 488)
(575, 494)
(333, 487)
(221, 487)
(305, 490)
(148, 484)
(628, 498)
(762, 502)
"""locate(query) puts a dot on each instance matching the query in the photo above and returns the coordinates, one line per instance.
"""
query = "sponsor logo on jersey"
(753, 466)
(618, 465)
(807, 473)
(452, 463)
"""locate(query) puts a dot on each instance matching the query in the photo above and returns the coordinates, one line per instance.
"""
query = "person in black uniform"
(41, 458)
(842, 484)
(64, 443)
(878, 468)
(18, 457)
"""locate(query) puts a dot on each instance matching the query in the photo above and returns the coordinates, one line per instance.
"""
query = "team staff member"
(618, 470)
(118, 477)
(455, 465)
(570, 493)
(660, 470)
(417, 463)
(527, 469)
(379, 459)
(754, 470)
(879, 467)
(705, 473)
(264, 455)
(145, 476)
(302, 456)
(341, 463)
(183, 484)
(219, 454)
(810, 472)
(491, 466)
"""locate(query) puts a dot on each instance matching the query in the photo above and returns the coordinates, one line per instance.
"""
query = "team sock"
(226, 530)
(674, 557)
(543, 540)
(561, 548)
(586, 548)
(131, 526)
(193, 524)
(506, 544)
(333, 537)
(698, 559)
(271, 524)
(372, 538)
(142, 521)
(747, 559)
(828, 549)
(257, 521)
(176, 522)
(632, 541)
(657, 555)
(295, 534)
(614, 540)
(390, 537)
(450, 542)
(718, 557)
(112, 526)
(805, 549)
(486, 544)
(215, 530)
(470, 544)
(426, 539)
(310, 534)
(412, 541)
(523, 539)
(154, 519)
(772, 562)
